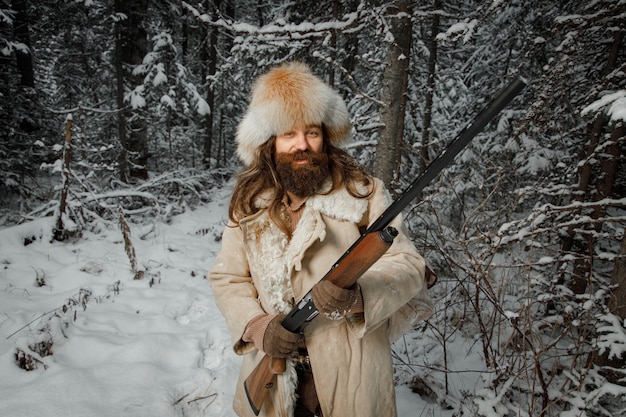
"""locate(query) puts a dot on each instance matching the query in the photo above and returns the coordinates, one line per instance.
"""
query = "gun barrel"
(463, 138)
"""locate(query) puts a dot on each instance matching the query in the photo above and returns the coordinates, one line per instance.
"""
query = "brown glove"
(333, 301)
(279, 342)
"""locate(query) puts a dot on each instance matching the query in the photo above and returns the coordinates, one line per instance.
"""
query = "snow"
(466, 29)
(154, 347)
(614, 103)
(280, 26)
(160, 77)
(136, 98)
(612, 336)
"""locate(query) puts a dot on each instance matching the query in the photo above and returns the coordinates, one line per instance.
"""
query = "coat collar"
(276, 257)
(339, 204)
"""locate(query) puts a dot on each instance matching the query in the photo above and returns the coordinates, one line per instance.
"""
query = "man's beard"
(302, 180)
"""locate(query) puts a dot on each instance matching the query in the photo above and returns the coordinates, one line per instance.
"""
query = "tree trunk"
(6, 110)
(617, 302)
(614, 368)
(572, 242)
(604, 186)
(393, 95)
(22, 35)
(209, 53)
(427, 133)
(349, 48)
(130, 48)
(59, 232)
(608, 169)
(228, 9)
(333, 43)
(119, 98)
(603, 189)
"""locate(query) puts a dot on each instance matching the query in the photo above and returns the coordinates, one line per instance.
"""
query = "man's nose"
(301, 142)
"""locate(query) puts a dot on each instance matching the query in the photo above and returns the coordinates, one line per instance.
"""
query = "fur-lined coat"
(260, 271)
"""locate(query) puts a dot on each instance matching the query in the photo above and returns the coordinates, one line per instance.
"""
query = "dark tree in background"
(208, 56)
(22, 121)
(131, 45)
(394, 92)
(22, 35)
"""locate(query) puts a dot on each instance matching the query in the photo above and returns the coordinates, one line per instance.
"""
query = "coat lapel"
(274, 257)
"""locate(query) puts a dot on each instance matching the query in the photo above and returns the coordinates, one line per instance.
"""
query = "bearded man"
(298, 205)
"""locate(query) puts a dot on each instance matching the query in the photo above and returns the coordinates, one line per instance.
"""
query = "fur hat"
(284, 97)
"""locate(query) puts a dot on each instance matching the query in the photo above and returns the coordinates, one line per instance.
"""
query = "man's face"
(301, 165)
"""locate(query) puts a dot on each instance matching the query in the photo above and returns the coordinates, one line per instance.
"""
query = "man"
(298, 205)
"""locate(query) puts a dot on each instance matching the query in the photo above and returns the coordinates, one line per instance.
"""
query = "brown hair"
(261, 176)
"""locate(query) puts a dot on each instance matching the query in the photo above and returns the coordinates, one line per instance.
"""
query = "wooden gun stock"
(258, 383)
(344, 273)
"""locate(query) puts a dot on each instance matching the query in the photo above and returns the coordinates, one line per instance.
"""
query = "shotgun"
(371, 245)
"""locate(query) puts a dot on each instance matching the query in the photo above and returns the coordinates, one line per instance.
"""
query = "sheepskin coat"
(260, 271)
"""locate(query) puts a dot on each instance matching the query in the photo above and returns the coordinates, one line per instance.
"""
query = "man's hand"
(333, 301)
(279, 342)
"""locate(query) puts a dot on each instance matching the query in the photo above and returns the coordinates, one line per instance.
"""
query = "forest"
(116, 113)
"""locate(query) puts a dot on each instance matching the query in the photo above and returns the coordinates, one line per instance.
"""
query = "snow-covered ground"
(154, 347)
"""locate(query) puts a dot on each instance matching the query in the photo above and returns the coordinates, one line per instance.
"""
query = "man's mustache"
(301, 155)
(310, 156)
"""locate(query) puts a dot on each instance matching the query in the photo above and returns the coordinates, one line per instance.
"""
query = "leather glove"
(279, 342)
(333, 301)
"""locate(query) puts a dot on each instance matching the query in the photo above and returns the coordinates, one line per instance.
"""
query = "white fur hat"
(284, 97)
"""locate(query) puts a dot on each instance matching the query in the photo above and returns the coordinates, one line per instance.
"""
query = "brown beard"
(302, 180)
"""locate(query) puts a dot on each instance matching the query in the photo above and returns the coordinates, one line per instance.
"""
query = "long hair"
(261, 177)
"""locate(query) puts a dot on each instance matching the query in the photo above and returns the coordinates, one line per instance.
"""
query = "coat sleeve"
(394, 290)
(235, 293)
